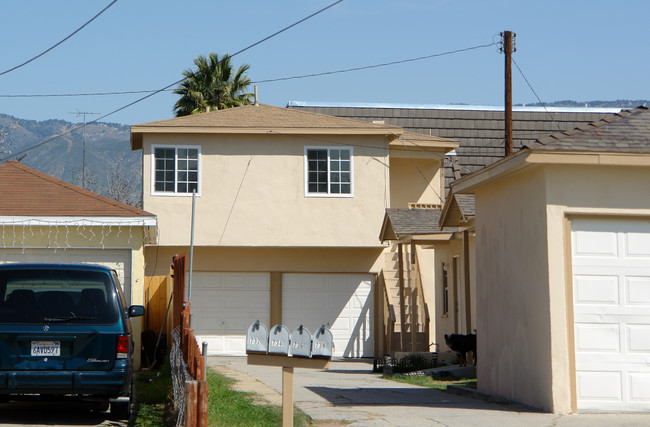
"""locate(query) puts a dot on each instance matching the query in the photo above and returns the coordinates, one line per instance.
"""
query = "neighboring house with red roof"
(44, 219)
(288, 205)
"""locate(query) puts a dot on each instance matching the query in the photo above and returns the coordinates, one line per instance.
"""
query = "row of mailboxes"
(299, 343)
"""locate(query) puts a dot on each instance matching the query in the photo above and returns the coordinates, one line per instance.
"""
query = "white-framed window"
(175, 170)
(328, 172)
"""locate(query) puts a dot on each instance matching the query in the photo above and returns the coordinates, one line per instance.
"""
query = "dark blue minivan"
(65, 331)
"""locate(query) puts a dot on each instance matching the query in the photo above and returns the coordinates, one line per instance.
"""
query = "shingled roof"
(400, 223)
(261, 119)
(27, 192)
(625, 132)
(479, 129)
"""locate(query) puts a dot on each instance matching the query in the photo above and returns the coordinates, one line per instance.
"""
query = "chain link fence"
(179, 376)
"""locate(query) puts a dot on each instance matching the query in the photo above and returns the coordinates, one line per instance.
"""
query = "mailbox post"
(304, 354)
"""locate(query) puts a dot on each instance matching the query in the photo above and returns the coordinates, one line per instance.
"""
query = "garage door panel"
(639, 338)
(224, 305)
(638, 290)
(597, 337)
(637, 245)
(596, 289)
(600, 386)
(611, 315)
(639, 386)
(343, 302)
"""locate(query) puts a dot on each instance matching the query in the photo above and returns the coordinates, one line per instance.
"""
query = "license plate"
(46, 348)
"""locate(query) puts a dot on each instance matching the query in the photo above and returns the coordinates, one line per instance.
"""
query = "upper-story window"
(175, 169)
(328, 171)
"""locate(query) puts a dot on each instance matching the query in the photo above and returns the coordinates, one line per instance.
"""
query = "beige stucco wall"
(58, 238)
(252, 193)
(523, 265)
(290, 260)
(415, 181)
(513, 324)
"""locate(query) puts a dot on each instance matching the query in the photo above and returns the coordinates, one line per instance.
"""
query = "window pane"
(345, 177)
(193, 153)
(345, 188)
(335, 177)
(335, 188)
(312, 188)
(182, 164)
(322, 188)
(193, 187)
(193, 165)
(182, 187)
(334, 166)
(182, 176)
(345, 166)
(345, 154)
(160, 186)
(193, 177)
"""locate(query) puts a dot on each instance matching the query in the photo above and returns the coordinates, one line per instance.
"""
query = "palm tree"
(214, 85)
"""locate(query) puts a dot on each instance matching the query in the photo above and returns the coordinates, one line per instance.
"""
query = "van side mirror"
(136, 310)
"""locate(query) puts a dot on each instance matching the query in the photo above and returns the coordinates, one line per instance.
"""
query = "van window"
(57, 295)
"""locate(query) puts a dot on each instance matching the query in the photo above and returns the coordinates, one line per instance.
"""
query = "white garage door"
(343, 302)
(224, 305)
(611, 280)
(116, 259)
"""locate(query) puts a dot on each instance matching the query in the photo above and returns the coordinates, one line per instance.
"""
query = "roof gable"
(260, 119)
(27, 192)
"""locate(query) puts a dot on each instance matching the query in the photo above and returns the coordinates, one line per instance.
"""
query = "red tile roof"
(27, 192)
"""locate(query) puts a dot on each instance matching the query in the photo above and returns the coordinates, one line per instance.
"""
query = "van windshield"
(57, 295)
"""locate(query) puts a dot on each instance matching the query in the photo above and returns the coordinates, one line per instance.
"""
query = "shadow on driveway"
(412, 397)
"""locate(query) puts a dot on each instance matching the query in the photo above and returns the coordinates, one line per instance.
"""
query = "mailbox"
(279, 340)
(301, 342)
(257, 338)
(323, 344)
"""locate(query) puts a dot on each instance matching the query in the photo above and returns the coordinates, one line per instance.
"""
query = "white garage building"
(563, 269)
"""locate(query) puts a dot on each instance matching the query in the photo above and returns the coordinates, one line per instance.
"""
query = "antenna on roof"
(83, 156)
(257, 104)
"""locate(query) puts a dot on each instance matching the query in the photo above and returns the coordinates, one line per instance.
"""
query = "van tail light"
(122, 346)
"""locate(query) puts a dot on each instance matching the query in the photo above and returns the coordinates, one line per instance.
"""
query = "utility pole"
(83, 155)
(507, 49)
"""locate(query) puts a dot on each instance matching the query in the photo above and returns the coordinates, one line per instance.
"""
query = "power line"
(303, 76)
(367, 67)
(168, 86)
(57, 44)
(536, 96)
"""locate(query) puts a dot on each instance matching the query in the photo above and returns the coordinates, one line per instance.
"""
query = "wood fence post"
(202, 415)
(199, 368)
(191, 396)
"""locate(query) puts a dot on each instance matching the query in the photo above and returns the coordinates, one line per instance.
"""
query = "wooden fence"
(196, 389)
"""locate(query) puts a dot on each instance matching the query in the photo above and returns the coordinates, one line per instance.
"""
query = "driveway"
(350, 394)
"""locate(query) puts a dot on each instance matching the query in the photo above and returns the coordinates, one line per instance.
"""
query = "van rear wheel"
(121, 410)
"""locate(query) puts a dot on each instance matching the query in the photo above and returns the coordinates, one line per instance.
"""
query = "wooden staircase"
(405, 301)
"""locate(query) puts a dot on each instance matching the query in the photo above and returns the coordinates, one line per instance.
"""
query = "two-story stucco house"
(288, 207)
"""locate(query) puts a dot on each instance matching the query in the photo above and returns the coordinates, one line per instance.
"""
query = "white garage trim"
(343, 302)
(118, 259)
(611, 304)
(224, 305)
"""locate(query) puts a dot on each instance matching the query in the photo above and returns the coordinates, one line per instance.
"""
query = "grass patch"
(429, 381)
(228, 407)
(153, 389)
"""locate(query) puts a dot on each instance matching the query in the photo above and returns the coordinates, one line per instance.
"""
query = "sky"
(566, 49)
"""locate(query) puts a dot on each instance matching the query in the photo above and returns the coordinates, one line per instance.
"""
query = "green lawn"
(228, 407)
(428, 381)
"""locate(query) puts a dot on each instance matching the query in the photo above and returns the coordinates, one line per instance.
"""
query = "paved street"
(349, 394)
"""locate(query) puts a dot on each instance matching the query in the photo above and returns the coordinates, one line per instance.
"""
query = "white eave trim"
(75, 221)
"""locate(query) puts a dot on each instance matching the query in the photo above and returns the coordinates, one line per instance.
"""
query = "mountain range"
(111, 167)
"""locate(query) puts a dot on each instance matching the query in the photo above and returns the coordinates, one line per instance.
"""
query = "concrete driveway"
(350, 394)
